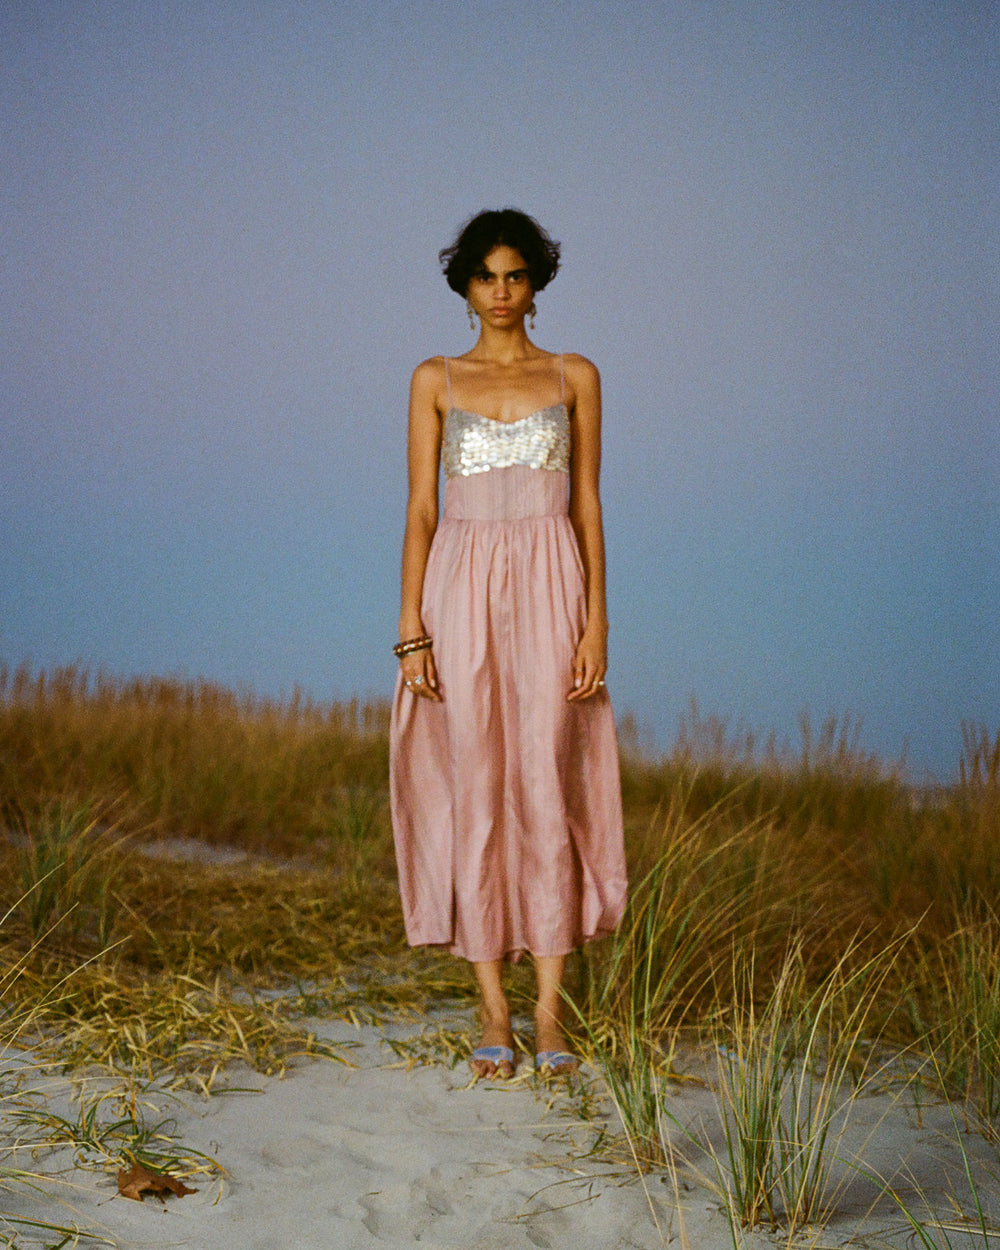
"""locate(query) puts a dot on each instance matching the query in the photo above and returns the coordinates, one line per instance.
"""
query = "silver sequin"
(474, 444)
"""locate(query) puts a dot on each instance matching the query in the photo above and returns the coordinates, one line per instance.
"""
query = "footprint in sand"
(406, 1210)
(433, 1194)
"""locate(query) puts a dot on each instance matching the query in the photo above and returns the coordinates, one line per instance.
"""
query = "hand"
(420, 674)
(589, 666)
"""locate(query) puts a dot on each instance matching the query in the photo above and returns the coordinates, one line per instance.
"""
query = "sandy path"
(334, 1157)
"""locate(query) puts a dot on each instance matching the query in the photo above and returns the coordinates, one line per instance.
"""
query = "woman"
(505, 794)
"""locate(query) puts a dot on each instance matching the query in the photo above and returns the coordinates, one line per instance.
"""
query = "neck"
(503, 346)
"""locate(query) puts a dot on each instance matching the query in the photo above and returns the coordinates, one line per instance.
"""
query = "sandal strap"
(555, 1059)
(493, 1054)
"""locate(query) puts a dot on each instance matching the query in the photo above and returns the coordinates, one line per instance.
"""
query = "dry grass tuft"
(742, 854)
(188, 757)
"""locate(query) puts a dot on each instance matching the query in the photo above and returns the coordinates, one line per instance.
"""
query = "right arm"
(423, 460)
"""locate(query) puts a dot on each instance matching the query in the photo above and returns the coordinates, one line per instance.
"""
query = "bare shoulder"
(429, 372)
(575, 361)
(582, 376)
(429, 382)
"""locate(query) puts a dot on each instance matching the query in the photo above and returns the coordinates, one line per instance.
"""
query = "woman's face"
(500, 290)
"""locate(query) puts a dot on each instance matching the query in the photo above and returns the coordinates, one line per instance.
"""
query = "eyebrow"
(483, 272)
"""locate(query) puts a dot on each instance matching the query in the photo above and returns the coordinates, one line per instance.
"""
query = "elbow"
(423, 520)
(422, 511)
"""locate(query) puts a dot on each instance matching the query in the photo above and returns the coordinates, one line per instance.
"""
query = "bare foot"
(551, 1040)
(549, 1033)
(496, 1032)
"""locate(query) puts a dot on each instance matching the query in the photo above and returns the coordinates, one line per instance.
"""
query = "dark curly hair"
(504, 227)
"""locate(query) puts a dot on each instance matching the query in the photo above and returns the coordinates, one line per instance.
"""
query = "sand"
(332, 1157)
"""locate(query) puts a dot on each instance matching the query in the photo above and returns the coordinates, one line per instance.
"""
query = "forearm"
(589, 530)
(585, 496)
(420, 528)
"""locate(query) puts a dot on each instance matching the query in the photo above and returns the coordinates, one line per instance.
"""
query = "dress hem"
(516, 953)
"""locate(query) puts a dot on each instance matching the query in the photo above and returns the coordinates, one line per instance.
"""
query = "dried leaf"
(140, 1180)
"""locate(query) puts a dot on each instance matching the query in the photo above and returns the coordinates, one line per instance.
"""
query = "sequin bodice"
(474, 444)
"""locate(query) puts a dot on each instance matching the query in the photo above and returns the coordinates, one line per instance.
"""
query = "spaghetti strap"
(562, 378)
(447, 379)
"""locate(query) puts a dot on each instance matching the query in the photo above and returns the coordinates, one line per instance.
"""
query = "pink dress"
(506, 803)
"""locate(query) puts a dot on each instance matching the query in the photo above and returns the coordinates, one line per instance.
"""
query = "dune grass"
(788, 1069)
(187, 758)
(786, 906)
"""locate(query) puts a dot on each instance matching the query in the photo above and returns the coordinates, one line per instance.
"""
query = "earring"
(531, 315)
(472, 319)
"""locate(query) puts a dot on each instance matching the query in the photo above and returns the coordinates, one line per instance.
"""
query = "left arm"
(591, 660)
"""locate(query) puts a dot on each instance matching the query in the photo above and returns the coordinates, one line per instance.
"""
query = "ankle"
(495, 1016)
(549, 1018)
(549, 1034)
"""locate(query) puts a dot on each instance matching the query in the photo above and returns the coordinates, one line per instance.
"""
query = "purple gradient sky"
(780, 239)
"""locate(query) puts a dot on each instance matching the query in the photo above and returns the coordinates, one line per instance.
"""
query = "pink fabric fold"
(505, 798)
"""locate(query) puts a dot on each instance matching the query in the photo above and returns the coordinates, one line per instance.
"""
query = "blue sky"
(779, 227)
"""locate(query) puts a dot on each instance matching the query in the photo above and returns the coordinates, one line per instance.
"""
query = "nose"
(500, 290)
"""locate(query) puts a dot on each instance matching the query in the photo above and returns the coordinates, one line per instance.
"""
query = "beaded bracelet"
(411, 645)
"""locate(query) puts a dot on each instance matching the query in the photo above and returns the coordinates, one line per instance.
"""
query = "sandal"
(556, 1062)
(495, 1055)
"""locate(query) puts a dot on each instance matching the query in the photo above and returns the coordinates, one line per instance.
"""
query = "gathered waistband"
(511, 494)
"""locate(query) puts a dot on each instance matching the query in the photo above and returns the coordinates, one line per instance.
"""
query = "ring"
(602, 682)
(417, 681)
(408, 683)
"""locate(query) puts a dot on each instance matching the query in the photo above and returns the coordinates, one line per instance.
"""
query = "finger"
(420, 676)
(590, 681)
(590, 673)
(581, 683)
(430, 690)
(413, 677)
(600, 685)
